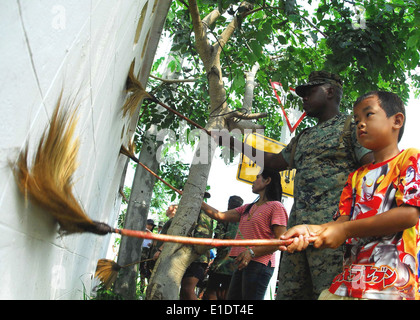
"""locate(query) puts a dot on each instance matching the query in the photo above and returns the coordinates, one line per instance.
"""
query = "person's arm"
(275, 161)
(386, 223)
(334, 233)
(246, 256)
(304, 234)
(228, 216)
(271, 160)
(157, 253)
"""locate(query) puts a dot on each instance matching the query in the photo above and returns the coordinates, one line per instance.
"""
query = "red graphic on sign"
(291, 128)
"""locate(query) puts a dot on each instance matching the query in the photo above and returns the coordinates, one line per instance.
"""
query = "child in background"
(378, 215)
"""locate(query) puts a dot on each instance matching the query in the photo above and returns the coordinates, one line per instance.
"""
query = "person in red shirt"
(265, 218)
(378, 215)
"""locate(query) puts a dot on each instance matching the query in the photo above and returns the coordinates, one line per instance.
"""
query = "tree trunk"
(136, 216)
(175, 258)
(142, 188)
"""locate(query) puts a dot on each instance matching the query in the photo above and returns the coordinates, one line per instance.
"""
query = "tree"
(371, 44)
(137, 212)
(167, 275)
(143, 196)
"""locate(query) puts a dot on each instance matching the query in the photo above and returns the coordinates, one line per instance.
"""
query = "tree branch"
(211, 18)
(183, 2)
(246, 116)
(256, 10)
(203, 46)
(244, 125)
(172, 80)
(227, 33)
(314, 26)
(249, 87)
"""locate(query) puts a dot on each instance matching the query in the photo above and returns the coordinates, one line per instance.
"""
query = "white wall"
(85, 48)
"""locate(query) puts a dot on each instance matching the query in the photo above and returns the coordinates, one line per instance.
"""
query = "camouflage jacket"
(164, 230)
(322, 161)
(203, 229)
(223, 264)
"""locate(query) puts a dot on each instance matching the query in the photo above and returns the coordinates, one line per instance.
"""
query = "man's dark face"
(314, 100)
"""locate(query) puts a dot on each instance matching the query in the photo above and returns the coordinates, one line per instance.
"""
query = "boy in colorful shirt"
(378, 216)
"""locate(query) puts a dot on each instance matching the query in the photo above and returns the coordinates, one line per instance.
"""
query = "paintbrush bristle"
(138, 93)
(107, 272)
(129, 152)
(49, 182)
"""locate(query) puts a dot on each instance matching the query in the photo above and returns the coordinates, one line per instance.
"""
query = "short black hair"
(234, 202)
(390, 102)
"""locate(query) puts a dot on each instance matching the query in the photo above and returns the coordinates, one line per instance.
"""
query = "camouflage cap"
(317, 78)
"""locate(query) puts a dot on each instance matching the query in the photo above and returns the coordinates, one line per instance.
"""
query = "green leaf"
(414, 41)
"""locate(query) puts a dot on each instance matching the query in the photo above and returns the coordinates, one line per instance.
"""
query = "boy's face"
(374, 128)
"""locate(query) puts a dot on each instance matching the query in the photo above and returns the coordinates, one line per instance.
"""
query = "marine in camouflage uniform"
(197, 269)
(223, 264)
(157, 245)
(145, 271)
(323, 158)
(203, 229)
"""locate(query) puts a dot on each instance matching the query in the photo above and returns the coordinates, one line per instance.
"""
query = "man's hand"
(302, 236)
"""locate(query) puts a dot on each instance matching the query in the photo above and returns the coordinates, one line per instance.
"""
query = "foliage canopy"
(371, 44)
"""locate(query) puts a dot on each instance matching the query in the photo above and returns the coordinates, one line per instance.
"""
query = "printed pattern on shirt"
(381, 267)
